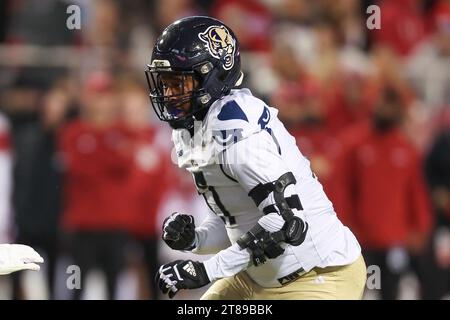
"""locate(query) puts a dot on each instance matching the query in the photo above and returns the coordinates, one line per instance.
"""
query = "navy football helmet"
(202, 55)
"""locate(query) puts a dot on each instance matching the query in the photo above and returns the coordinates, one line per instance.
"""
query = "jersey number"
(212, 199)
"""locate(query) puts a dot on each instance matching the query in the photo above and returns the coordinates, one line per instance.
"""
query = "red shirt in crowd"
(383, 195)
(149, 182)
(323, 149)
(349, 101)
(98, 166)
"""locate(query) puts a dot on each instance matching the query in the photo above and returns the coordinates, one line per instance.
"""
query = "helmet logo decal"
(220, 44)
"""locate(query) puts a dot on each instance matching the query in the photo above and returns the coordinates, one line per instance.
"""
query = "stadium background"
(86, 171)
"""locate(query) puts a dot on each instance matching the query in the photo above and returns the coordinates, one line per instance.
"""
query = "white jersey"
(239, 145)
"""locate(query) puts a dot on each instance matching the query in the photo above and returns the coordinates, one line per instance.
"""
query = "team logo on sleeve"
(220, 43)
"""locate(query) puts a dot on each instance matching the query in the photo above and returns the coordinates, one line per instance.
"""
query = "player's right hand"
(181, 274)
(179, 231)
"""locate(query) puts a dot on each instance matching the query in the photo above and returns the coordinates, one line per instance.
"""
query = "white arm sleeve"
(211, 236)
(251, 161)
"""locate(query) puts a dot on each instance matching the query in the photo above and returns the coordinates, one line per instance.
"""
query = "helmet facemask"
(171, 93)
(188, 98)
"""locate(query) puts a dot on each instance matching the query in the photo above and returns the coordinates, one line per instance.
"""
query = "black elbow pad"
(294, 228)
(262, 244)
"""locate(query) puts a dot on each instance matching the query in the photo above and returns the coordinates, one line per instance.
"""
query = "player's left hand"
(181, 274)
(16, 257)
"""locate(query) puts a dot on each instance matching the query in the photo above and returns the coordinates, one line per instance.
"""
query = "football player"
(272, 229)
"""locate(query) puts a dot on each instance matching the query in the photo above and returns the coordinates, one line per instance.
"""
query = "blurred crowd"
(87, 172)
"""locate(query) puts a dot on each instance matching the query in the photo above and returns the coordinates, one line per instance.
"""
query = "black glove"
(179, 231)
(181, 274)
